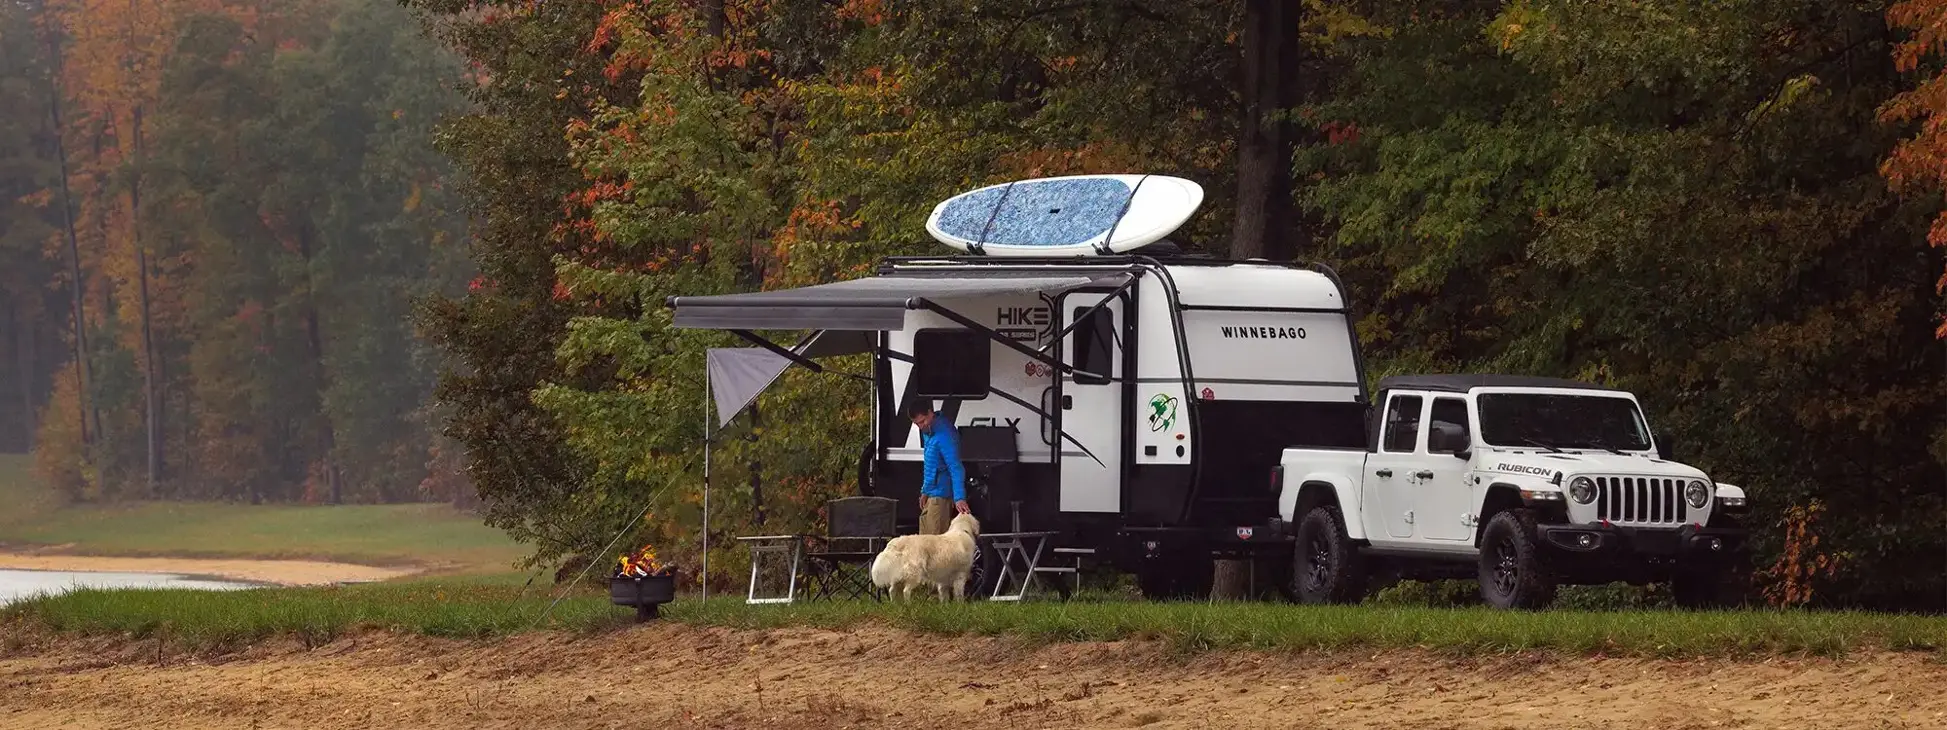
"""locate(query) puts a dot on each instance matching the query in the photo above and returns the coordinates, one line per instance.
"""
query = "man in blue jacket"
(945, 478)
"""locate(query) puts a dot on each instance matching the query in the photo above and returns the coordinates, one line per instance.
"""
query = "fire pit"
(644, 582)
(646, 593)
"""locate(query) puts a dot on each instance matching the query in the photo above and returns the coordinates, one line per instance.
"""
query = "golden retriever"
(942, 561)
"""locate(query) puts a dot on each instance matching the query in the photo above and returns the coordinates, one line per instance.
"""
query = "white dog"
(942, 561)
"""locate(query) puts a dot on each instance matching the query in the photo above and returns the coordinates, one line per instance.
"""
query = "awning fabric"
(738, 374)
(874, 304)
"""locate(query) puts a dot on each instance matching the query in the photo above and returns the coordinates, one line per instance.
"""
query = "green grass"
(464, 607)
(487, 607)
(375, 534)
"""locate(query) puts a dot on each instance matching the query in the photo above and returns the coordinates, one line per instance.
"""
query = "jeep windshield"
(1552, 420)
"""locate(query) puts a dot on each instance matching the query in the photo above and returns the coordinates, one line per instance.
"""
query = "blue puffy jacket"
(944, 474)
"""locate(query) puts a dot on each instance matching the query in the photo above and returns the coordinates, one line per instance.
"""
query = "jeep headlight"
(1697, 494)
(1582, 489)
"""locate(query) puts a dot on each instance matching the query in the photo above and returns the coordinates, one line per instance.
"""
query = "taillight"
(1277, 479)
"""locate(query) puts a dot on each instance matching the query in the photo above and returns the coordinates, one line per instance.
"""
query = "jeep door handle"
(1423, 474)
(1384, 473)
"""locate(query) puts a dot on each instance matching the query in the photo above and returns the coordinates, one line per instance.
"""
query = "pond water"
(19, 584)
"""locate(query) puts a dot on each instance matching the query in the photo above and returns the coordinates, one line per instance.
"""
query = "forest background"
(339, 251)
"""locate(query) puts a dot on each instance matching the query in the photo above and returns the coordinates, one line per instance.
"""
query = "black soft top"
(1464, 383)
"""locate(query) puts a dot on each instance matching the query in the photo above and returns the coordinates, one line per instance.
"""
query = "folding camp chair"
(841, 561)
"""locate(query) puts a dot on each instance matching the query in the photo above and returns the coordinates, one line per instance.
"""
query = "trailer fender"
(1323, 488)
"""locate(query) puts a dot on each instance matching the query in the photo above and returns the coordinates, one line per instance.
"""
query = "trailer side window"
(951, 363)
(1093, 338)
(1403, 423)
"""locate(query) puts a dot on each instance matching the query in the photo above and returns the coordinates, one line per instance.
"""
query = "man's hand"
(962, 506)
(922, 503)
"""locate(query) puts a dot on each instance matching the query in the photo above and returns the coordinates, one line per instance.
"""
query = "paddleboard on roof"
(1077, 215)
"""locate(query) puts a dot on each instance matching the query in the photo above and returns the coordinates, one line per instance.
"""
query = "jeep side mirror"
(1664, 449)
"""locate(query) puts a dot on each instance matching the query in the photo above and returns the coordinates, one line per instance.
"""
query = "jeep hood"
(1543, 465)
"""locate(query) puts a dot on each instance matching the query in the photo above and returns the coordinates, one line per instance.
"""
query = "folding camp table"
(786, 549)
(1024, 548)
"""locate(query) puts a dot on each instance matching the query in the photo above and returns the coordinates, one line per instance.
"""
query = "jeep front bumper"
(1688, 541)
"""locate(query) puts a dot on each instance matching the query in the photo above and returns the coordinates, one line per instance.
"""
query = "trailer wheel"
(1326, 567)
(1512, 573)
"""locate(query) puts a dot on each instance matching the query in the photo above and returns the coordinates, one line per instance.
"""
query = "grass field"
(480, 607)
(376, 534)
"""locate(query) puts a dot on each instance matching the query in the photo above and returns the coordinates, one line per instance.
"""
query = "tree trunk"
(314, 338)
(1265, 226)
(84, 373)
(153, 402)
(25, 335)
(756, 468)
(1232, 581)
(713, 17)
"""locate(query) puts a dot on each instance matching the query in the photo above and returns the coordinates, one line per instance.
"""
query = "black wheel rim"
(1318, 562)
(1507, 571)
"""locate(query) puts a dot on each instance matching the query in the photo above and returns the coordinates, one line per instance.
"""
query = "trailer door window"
(951, 363)
(1403, 424)
(1093, 338)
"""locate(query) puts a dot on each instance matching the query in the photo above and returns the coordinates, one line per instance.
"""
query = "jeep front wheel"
(1512, 574)
(1327, 567)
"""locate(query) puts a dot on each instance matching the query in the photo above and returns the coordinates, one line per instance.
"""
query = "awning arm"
(1033, 354)
(788, 354)
(1017, 400)
(1091, 310)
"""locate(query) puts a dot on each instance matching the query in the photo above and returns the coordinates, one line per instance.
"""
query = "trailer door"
(1091, 404)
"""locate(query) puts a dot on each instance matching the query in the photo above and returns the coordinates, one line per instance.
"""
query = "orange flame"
(642, 564)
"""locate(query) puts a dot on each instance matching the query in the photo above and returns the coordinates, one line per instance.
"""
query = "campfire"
(644, 581)
(643, 564)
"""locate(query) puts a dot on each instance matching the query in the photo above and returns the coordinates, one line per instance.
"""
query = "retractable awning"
(874, 304)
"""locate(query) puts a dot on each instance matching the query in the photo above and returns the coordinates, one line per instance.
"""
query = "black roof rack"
(1464, 383)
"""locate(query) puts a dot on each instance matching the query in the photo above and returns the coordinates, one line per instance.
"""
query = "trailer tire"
(1326, 566)
(1512, 572)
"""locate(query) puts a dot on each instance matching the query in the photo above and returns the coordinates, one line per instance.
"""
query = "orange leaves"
(1928, 21)
(1921, 161)
(38, 199)
(1338, 133)
(1802, 564)
(870, 12)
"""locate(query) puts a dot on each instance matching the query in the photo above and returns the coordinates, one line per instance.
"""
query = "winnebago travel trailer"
(1133, 401)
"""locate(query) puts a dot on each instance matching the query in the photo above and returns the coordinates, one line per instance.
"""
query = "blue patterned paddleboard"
(1079, 215)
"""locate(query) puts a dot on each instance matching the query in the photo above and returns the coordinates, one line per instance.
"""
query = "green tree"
(1679, 198)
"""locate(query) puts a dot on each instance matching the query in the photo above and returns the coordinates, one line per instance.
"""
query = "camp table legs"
(788, 549)
(1022, 547)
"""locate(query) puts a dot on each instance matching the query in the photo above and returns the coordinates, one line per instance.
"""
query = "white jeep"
(1524, 483)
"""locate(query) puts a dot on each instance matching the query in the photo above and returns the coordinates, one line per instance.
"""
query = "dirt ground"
(673, 676)
(279, 572)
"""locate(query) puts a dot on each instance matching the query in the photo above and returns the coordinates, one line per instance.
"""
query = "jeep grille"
(1640, 501)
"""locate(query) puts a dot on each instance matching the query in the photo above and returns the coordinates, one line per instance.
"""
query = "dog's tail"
(888, 565)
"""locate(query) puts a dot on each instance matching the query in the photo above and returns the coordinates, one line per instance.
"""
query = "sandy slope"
(281, 572)
(672, 676)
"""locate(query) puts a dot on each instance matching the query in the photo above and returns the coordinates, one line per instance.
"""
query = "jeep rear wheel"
(1327, 567)
(1512, 574)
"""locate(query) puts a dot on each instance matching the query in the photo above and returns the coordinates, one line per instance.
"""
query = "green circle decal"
(1162, 412)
